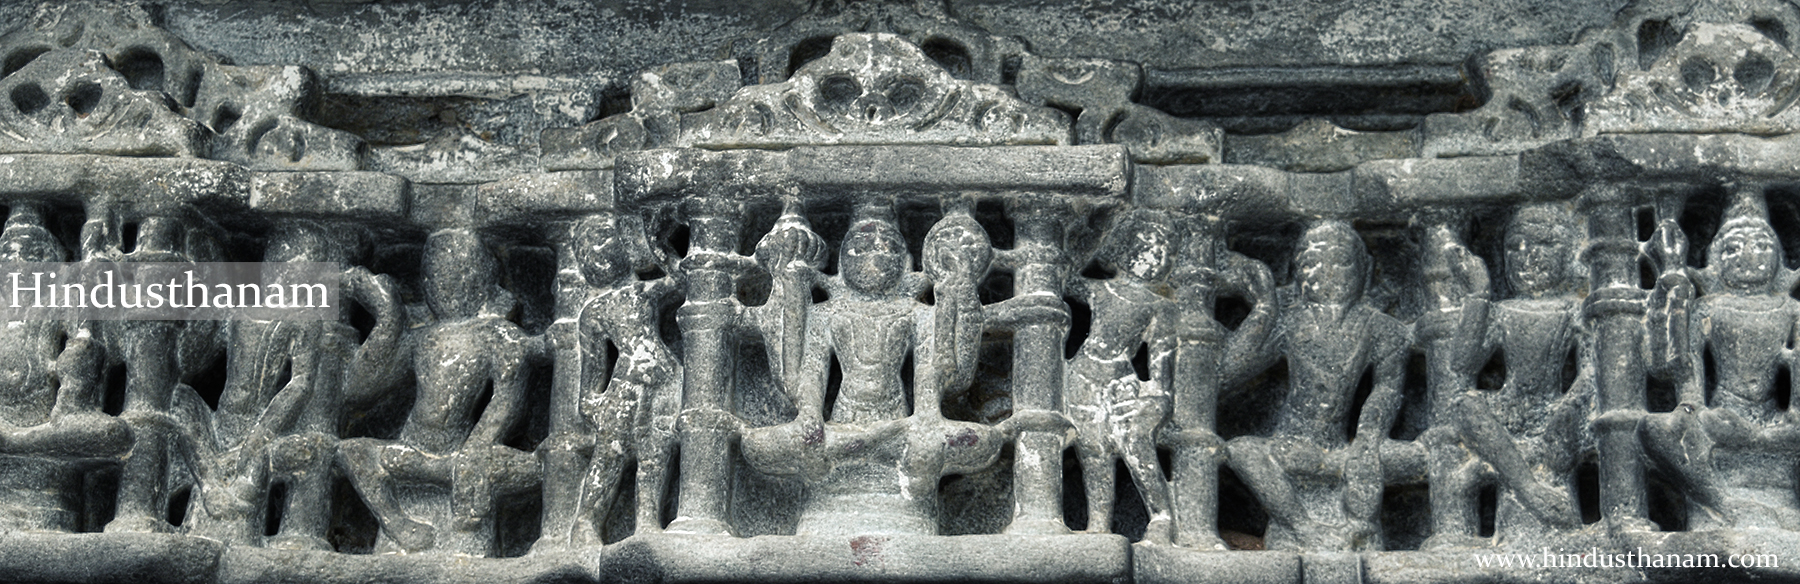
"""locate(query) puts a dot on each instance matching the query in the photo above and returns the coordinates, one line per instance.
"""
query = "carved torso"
(1535, 336)
(454, 363)
(1747, 336)
(1325, 364)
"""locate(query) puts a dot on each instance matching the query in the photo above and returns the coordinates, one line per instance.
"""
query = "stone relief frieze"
(879, 295)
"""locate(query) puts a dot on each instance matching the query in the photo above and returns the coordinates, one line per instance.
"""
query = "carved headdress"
(1748, 211)
(1746, 217)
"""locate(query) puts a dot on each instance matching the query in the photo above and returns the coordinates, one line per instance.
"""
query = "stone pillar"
(1037, 369)
(1615, 307)
(1200, 346)
(565, 449)
(707, 427)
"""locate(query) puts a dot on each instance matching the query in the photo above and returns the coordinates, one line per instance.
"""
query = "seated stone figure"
(872, 466)
(1322, 487)
(446, 441)
(1525, 435)
(1719, 443)
(51, 426)
(1116, 415)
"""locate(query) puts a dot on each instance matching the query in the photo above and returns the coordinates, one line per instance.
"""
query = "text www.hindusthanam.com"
(1594, 558)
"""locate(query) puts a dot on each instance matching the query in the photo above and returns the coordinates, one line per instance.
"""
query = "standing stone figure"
(286, 384)
(1525, 435)
(1718, 443)
(157, 355)
(471, 350)
(633, 411)
(1321, 484)
(1117, 415)
(51, 426)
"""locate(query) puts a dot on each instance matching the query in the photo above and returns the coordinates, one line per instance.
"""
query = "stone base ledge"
(698, 559)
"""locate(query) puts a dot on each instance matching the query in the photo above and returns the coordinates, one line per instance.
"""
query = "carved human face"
(957, 248)
(1746, 257)
(1535, 259)
(600, 252)
(1331, 266)
(1143, 254)
(873, 257)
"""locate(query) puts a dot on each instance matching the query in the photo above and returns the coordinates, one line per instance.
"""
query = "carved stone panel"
(908, 291)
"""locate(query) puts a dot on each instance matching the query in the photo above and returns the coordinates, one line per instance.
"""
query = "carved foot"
(1363, 535)
(1161, 532)
(138, 524)
(1552, 507)
(412, 536)
(298, 542)
(1207, 542)
(1446, 541)
(698, 526)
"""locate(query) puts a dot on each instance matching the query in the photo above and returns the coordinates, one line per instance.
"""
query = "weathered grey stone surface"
(914, 291)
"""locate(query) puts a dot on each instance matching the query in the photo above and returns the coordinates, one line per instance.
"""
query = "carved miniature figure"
(1116, 414)
(793, 254)
(286, 383)
(51, 426)
(1320, 475)
(871, 465)
(633, 411)
(1524, 436)
(1715, 444)
(157, 355)
(471, 350)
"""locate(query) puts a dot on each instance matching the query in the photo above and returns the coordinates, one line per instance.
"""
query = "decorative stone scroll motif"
(104, 79)
(881, 295)
(874, 89)
(1719, 78)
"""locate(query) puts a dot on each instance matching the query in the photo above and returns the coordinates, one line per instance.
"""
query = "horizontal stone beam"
(1382, 188)
(1091, 171)
(140, 184)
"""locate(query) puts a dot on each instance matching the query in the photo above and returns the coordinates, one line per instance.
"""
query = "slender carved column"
(1199, 350)
(1616, 308)
(1037, 369)
(564, 450)
(707, 428)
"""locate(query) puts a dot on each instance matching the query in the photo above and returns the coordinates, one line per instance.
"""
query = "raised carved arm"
(1255, 346)
(381, 361)
(1670, 350)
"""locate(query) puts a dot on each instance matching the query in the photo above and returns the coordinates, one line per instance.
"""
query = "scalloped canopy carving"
(1718, 78)
(874, 89)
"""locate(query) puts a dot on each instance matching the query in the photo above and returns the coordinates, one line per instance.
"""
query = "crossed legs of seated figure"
(234, 480)
(1270, 467)
(1695, 448)
(75, 428)
(476, 476)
